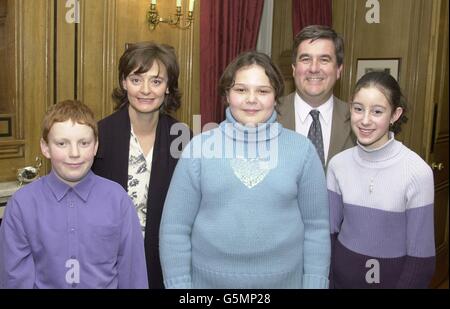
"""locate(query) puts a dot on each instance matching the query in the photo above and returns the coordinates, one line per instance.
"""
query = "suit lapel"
(340, 127)
(287, 112)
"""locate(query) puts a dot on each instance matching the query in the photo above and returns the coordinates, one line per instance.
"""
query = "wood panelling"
(11, 143)
(5, 106)
(97, 55)
(132, 27)
(106, 26)
(36, 79)
(30, 44)
(3, 8)
(408, 24)
(64, 37)
(7, 65)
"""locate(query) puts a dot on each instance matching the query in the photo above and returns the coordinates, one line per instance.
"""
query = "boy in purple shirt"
(71, 228)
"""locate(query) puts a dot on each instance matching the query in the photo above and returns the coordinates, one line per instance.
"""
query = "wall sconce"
(178, 21)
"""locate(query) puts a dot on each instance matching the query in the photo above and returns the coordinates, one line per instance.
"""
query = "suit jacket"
(341, 137)
(111, 162)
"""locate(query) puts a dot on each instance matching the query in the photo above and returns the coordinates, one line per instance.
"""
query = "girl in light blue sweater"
(247, 206)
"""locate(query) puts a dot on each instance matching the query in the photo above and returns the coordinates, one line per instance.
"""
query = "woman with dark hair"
(381, 197)
(134, 142)
(247, 206)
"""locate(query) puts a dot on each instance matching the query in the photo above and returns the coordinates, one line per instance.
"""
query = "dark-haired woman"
(135, 141)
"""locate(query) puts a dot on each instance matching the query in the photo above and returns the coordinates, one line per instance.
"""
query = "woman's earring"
(167, 91)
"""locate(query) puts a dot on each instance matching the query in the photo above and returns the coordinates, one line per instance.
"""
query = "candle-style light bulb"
(191, 5)
(178, 3)
(154, 2)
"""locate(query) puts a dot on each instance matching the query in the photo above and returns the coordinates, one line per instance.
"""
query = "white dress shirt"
(303, 119)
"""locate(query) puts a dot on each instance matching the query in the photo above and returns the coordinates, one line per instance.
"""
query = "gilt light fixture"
(178, 20)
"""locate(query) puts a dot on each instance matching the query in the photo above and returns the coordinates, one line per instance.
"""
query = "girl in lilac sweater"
(381, 198)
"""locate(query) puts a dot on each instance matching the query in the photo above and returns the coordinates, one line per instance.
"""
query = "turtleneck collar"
(260, 133)
(383, 153)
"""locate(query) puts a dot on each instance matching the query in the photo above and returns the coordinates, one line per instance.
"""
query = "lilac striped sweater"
(381, 218)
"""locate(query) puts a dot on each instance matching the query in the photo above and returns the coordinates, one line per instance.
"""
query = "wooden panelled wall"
(404, 32)
(50, 60)
(99, 39)
(29, 78)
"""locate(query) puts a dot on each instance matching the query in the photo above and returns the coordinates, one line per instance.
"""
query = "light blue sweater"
(246, 208)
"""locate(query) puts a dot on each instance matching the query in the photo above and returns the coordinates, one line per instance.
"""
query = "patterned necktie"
(315, 134)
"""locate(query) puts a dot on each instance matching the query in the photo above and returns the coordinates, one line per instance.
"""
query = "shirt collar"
(302, 109)
(60, 189)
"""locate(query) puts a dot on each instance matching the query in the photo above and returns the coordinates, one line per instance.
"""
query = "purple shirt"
(57, 236)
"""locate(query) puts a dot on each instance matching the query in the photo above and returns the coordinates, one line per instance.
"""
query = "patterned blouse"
(139, 168)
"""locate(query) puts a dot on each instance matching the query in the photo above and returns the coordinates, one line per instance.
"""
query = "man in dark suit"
(317, 61)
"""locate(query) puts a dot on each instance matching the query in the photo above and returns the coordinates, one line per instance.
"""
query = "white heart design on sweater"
(250, 171)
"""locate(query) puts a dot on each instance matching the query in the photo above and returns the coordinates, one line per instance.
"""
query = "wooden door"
(438, 149)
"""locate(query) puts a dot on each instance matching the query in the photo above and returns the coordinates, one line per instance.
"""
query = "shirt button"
(72, 229)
